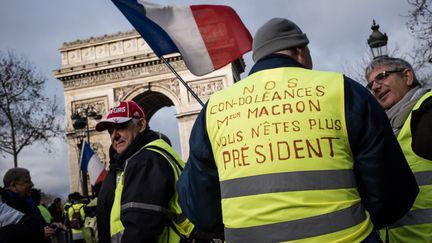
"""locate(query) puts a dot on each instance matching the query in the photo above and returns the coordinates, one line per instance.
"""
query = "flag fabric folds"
(90, 163)
(207, 36)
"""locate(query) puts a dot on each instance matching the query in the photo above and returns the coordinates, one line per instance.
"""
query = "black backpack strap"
(180, 169)
(168, 155)
(387, 239)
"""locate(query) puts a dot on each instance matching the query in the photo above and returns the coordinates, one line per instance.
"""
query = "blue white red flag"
(207, 36)
(90, 163)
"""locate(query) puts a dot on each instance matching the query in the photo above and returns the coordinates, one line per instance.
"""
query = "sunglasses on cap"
(380, 77)
(118, 126)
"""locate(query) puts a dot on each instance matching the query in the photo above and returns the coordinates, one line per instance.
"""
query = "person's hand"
(49, 231)
(58, 225)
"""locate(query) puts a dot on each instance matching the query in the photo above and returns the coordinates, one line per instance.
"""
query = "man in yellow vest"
(409, 108)
(145, 207)
(36, 196)
(292, 154)
(76, 217)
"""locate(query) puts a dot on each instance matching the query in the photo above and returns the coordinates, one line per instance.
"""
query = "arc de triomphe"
(98, 72)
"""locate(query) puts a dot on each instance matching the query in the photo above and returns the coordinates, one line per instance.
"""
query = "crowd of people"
(25, 218)
(347, 164)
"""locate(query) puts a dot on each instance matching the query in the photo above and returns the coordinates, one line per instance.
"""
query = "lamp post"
(80, 124)
(377, 41)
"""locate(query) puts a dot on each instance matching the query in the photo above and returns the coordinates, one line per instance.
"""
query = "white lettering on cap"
(117, 110)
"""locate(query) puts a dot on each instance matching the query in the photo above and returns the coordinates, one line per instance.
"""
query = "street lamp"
(377, 41)
(80, 124)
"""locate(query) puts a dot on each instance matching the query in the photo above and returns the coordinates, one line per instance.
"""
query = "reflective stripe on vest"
(423, 178)
(77, 234)
(173, 211)
(281, 148)
(418, 216)
(299, 229)
(117, 237)
(288, 181)
(416, 225)
(145, 206)
(9, 215)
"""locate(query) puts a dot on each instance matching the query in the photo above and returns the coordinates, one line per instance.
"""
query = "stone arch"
(101, 71)
(152, 97)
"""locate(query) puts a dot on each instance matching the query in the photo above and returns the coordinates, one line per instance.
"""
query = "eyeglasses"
(382, 76)
(118, 126)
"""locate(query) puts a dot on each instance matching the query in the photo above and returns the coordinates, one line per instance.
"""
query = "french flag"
(207, 36)
(90, 163)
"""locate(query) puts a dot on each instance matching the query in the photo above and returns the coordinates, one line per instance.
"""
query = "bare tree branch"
(420, 24)
(27, 116)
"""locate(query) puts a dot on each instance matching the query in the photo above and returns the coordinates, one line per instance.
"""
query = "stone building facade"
(98, 72)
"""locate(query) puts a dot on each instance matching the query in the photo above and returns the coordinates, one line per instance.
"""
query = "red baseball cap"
(120, 113)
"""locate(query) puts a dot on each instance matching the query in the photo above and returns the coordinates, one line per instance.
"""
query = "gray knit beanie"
(275, 35)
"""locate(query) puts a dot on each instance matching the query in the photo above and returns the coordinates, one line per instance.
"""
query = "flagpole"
(181, 80)
(84, 183)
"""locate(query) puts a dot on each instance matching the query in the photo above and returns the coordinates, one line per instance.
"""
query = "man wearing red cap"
(138, 195)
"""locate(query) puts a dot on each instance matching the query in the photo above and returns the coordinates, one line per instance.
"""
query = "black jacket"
(148, 179)
(105, 201)
(28, 229)
(31, 226)
(421, 130)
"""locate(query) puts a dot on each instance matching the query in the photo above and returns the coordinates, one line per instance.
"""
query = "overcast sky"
(337, 30)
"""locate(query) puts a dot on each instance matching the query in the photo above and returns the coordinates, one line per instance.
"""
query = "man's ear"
(11, 186)
(304, 57)
(299, 55)
(143, 124)
(408, 76)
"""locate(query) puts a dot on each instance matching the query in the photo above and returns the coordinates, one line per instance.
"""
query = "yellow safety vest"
(285, 166)
(416, 225)
(180, 226)
(76, 233)
(66, 209)
(45, 213)
(89, 231)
